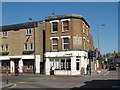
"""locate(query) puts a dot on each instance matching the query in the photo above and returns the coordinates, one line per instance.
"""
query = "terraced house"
(62, 41)
(17, 47)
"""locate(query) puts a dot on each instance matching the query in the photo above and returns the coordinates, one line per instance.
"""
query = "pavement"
(93, 74)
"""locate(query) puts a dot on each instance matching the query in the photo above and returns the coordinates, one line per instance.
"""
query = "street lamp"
(34, 68)
(98, 35)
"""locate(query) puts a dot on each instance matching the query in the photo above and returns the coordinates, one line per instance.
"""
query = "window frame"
(6, 49)
(30, 46)
(56, 44)
(2, 48)
(65, 43)
(5, 34)
(25, 46)
(28, 31)
(51, 22)
(64, 20)
(83, 24)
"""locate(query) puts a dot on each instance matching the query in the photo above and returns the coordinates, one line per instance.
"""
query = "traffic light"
(90, 53)
(94, 53)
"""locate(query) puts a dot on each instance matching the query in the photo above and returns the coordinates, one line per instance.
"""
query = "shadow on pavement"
(99, 84)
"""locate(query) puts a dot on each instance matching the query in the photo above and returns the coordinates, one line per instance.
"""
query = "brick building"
(62, 41)
(67, 40)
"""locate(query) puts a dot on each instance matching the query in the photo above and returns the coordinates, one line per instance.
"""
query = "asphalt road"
(109, 80)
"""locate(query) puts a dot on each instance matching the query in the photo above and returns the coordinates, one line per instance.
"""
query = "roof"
(66, 16)
(18, 26)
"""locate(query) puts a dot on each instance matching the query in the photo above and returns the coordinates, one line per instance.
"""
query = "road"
(108, 80)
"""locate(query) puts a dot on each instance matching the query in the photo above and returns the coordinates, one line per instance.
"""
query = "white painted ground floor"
(26, 63)
(66, 62)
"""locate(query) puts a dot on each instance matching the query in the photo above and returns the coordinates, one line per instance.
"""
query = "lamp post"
(98, 37)
(34, 68)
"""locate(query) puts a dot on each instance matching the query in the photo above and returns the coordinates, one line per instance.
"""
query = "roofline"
(66, 16)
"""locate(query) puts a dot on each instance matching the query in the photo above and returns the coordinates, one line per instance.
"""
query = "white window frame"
(62, 24)
(83, 27)
(64, 43)
(54, 44)
(52, 25)
(2, 48)
(24, 46)
(6, 49)
(87, 30)
(30, 46)
(4, 34)
(84, 42)
(28, 31)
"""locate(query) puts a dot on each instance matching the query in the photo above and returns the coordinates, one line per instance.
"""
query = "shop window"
(66, 43)
(4, 34)
(4, 66)
(65, 26)
(54, 44)
(28, 65)
(57, 65)
(62, 64)
(51, 62)
(54, 27)
(68, 64)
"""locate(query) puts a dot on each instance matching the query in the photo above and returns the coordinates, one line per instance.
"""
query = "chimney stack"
(53, 14)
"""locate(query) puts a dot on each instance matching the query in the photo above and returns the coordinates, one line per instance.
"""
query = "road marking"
(13, 86)
(21, 82)
(106, 73)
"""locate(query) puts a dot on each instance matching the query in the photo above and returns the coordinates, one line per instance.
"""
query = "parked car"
(112, 67)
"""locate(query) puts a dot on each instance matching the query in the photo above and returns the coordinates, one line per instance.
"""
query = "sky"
(95, 13)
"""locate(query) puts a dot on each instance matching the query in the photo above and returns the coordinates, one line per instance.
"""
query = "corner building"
(67, 40)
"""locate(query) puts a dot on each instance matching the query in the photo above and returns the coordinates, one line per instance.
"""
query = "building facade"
(17, 47)
(62, 41)
(67, 40)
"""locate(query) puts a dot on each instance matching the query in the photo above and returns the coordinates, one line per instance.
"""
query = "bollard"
(7, 77)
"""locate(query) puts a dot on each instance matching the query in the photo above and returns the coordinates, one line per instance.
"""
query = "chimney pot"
(53, 14)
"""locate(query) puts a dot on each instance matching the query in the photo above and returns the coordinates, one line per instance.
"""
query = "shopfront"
(66, 63)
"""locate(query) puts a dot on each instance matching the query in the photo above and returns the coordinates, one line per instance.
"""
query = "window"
(28, 32)
(4, 34)
(57, 65)
(31, 46)
(65, 26)
(77, 65)
(68, 64)
(1, 48)
(51, 62)
(54, 44)
(62, 64)
(4, 66)
(65, 43)
(6, 48)
(25, 46)
(83, 27)
(54, 27)
(28, 65)
(87, 30)
(84, 42)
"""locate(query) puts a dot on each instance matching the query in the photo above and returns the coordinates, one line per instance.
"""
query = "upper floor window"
(6, 48)
(4, 34)
(28, 32)
(65, 25)
(87, 30)
(25, 46)
(65, 40)
(83, 27)
(54, 44)
(31, 46)
(1, 48)
(84, 42)
(54, 25)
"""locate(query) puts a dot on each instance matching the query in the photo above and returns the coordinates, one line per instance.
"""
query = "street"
(108, 80)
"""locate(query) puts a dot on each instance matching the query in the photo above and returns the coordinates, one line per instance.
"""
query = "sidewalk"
(4, 85)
